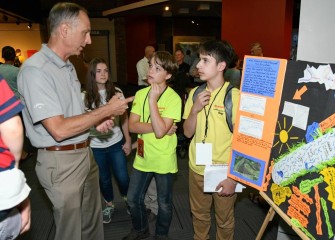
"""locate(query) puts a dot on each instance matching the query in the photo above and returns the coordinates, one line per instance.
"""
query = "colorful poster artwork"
(284, 141)
(301, 176)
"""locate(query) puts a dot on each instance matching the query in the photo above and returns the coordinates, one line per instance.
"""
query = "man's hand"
(227, 187)
(118, 105)
(105, 126)
(25, 210)
(201, 101)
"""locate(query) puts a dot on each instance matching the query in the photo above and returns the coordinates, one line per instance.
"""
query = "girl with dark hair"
(110, 148)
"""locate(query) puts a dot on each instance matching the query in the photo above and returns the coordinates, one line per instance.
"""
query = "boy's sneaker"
(107, 213)
(134, 235)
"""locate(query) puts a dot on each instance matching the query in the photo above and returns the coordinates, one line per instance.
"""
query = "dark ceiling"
(36, 11)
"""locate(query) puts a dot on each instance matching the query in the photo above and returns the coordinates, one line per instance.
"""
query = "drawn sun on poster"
(283, 135)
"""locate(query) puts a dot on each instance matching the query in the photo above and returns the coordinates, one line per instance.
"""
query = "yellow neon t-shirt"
(159, 154)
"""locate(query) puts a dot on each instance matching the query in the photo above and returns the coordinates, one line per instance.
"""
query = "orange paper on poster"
(256, 118)
(318, 225)
(327, 123)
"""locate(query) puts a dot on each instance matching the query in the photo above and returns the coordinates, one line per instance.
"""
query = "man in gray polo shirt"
(56, 124)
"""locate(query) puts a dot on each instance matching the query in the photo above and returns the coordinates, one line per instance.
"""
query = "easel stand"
(275, 209)
(267, 219)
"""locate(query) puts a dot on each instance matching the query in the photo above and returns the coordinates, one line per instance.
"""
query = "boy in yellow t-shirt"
(205, 121)
(155, 109)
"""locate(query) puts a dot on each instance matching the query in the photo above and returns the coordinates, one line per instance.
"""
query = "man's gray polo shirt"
(49, 87)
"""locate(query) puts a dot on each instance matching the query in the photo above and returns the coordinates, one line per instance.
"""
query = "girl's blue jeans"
(112, 160)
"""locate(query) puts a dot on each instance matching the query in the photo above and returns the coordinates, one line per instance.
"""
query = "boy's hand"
(172, 130)
(226, 187)
(154, 92)
(201, 101)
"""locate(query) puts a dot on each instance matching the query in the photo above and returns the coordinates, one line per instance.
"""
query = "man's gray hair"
(63, 12)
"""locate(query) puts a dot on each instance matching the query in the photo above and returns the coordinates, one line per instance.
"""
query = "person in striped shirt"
(14, 203)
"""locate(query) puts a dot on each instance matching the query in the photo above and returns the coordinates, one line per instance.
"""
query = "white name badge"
(203, 153)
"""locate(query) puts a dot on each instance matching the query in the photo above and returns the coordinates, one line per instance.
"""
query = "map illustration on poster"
(299, 177)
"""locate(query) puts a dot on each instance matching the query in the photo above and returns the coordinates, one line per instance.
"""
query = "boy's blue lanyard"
(146, 100)
(207, 114)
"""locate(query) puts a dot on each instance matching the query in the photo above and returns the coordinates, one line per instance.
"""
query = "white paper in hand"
(214, 174)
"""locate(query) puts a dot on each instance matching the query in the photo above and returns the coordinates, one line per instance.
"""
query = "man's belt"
(69, 147)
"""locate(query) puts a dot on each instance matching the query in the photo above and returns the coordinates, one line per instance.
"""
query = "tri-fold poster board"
(284, 140)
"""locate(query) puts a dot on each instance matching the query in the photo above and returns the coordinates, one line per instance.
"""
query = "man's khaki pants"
(71, 181)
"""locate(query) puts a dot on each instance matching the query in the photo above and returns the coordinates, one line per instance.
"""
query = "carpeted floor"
(249, 216)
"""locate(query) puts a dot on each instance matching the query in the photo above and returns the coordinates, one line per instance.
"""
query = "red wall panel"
(264, 21)
(140, 31)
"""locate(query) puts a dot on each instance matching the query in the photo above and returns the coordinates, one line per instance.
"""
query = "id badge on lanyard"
(203, 153)
(203, 150)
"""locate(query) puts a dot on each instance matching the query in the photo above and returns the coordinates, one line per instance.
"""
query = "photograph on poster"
(247, 168)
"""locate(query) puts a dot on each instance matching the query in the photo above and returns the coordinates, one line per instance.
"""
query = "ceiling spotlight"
(167, 8)
(29, 25)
